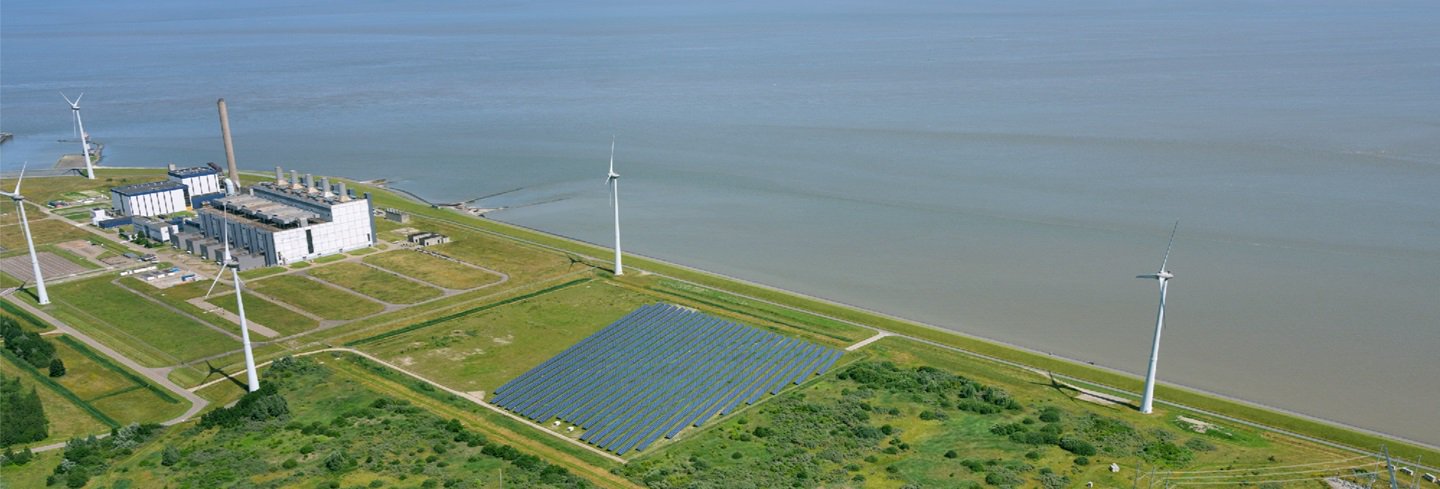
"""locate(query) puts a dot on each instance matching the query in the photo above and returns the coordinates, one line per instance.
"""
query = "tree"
(170, 456)
(57, 367)
(24, 419)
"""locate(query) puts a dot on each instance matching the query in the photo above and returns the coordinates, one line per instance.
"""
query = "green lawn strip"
(467, 312)
(255, 273)
(431, 269)
(138, 406)
(280, 319)
(314, 297)
(843, 334)
(107, 363)
(110, 311)
(362, 251)
(329, 259)
(59, 389)
(7, 281)
(24, 317)
(848, 313)
(372, 282)
(43, 231)
(33, 474)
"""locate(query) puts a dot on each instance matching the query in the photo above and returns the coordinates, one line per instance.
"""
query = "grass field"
(431, 269)
(268, 314)
(44, 231)
(67, 419)
(151, 335)
(481, 351)
(387, 287)
(315, 297)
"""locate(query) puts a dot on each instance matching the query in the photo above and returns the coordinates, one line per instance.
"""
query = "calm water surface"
(999, 168)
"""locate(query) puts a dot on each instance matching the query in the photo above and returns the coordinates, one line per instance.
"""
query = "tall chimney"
(294, 179)
(309, 183)
(279, 176)
(325, 187)
(229, 146)
(344, 195)
(170, 167)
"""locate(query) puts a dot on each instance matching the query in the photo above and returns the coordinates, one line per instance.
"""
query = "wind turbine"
(614, 180)
(25, 224)
(252, 380)
(1164, 276)
(84, 138)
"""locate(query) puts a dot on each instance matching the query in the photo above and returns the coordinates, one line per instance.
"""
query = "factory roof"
(148, 188)
(265, 209)
(192, 172)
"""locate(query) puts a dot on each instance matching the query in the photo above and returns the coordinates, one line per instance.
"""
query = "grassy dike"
(790, 303)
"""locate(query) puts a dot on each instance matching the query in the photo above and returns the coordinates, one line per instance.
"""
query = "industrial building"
(280, 222)
(149, 199)
(184, 189)
(198, 181)
(428, 239)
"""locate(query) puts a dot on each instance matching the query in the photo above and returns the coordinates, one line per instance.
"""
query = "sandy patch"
(407, 361)
(1097, 400)
(1196, 425)
(509, 338)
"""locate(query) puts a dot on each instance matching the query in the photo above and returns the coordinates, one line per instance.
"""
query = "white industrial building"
(280, 222)
(149, 199)
(199, 180)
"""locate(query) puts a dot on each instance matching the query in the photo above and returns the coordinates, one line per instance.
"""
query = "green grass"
(6, 281)
(255, 273)
(44, 231)
(431, 269)
(151, 335)
(26, 320)
(67, 419)
(268, 314)
(381, 285)
(463, 313)
(55, 388)
(110, 365)
(315, 298)
(32, 474)
(483, 350)
(362, 251)
(329, 259)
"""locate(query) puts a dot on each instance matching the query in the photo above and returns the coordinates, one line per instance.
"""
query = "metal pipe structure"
(279, 176)
(229, 145)
(325, 187)
(309, 183)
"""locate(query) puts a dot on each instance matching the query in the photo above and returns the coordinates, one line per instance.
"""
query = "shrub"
(170, 456)
(57, 367)
(1199, 445)
(1077, 446)
(762, 432)
(951, 454)
(1050, 414)
(736, 455)
(1033, 455)
(1082, 460)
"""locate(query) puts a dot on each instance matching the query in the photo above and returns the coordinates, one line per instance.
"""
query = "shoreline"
(961, 334)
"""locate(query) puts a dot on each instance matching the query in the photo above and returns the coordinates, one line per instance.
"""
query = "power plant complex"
(280, 222)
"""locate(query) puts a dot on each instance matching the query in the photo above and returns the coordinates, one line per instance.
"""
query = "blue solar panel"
(656, 371)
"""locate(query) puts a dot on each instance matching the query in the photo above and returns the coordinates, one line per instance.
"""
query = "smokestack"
(309, 183)
(325, 187)
(229, 146)
(170, 167)
(344, 195)
(294, 179)
(279, 176)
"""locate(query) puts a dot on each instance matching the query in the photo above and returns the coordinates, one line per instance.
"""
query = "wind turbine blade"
(1168, 245)
(21, 178)
(215, 282)
(612, 155)
(77, 99)
(67, 99)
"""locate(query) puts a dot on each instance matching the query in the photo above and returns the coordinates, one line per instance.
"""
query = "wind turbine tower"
(25, 224)
(84, 138)
(252, 380)
(1164, 276)
(614, 180)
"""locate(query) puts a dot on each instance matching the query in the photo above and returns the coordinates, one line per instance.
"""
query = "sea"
(1003, 169)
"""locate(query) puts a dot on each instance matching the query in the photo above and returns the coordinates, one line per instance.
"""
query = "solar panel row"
(656, 371)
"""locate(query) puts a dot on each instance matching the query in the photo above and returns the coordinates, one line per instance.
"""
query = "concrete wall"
(151, 204)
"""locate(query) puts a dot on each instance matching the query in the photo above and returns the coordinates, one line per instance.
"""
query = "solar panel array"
(655, 372)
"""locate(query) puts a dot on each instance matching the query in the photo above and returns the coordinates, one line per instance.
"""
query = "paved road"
(160, 376)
